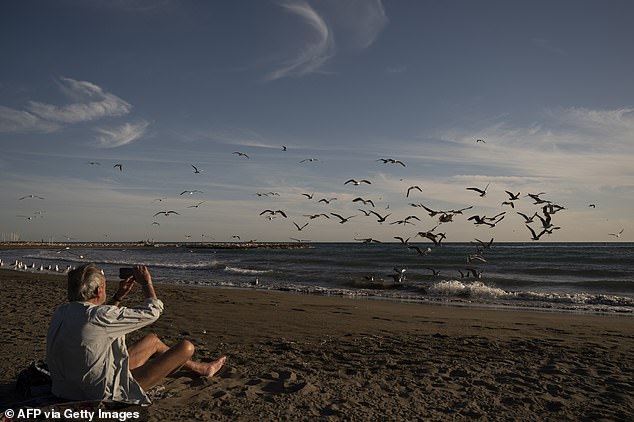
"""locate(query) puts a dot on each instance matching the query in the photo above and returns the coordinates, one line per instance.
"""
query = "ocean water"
(580, 277)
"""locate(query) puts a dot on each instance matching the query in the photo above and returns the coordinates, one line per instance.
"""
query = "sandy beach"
(298, 357)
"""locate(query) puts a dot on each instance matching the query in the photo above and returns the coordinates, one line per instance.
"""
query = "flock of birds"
(538, 224)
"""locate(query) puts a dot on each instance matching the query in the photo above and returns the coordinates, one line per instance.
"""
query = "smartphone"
(124, 273)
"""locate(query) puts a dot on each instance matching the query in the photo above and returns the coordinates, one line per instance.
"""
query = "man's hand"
(142, 275)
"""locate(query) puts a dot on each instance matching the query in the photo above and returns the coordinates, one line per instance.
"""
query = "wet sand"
(298, 357)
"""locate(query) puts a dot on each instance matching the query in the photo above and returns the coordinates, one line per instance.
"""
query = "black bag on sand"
(35, 380)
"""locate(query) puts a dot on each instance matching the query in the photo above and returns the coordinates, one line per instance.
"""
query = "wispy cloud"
(90, 103)
(12, 120)
(94, 103)
(361, 20)
(548, 45)
(315, 53)
(581, 146)
(121, 135)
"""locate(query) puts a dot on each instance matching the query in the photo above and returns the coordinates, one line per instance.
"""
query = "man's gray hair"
(83, 282)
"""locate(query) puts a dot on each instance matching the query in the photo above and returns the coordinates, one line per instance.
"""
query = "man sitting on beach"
(86, 351)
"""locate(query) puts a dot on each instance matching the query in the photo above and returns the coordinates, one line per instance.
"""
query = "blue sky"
(159, 86)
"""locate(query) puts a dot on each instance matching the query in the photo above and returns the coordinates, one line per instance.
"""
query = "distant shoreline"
(127, 245)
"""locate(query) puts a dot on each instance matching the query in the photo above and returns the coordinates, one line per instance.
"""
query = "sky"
(161, 86)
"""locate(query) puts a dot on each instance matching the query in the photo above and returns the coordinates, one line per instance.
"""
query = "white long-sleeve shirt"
(87, 354)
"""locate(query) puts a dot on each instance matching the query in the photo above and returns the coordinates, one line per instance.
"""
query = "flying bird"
(240, 154)
(421, 252)
(313, 216)
(196, 170)
(31, 196)
(482, 192)
(272, 213)
(391, 161)
(616, 234)
(381, 219)
(94, 163)
(191, 192)
(310, 160)
(365, 201)
(119, 165)
(299, 228)
(592, 205)
(403, 241)
(327, 200)
(357, 183)
(512, 196)
(533, 234)
(283, 147)
(197, 205)
(309, 196)
(342, 219)
(166, 213)
(368, 240)
(527, 218)
(413, 188)
(480, 140)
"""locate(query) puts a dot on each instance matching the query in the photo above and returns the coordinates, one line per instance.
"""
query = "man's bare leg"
(148, 374)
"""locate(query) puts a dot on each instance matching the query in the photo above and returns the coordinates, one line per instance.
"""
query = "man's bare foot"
(208, 369)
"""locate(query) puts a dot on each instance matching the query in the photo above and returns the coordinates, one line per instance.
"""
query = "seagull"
(509, 203)
(381, 219)
(433, 271)
(412, 188)
(367, 213)
(391, 161)
(343, 220)
(310, 160)
(327, 200)
(616, 234)
(31, 196)
(196, 171)
(592, 205)
(534, 235)
(283, 147)
(155, 223)
(159, 199)
(431, 212)
(480, 140)
(537, 199)
(482, 192)
(480, 220)
(420, 251)
(191, 192)
(527, 218)
(357, 183)
(272, 213)
(94, 163)
(197, 205)
(365, 201)
(299, 228)
(313, 216)
(166, 213)
(309, 196)
(484, 245)
(512, 196)
(118, 165)
(235, 236)
(28, 217)
(240, 154)
(403, 241)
